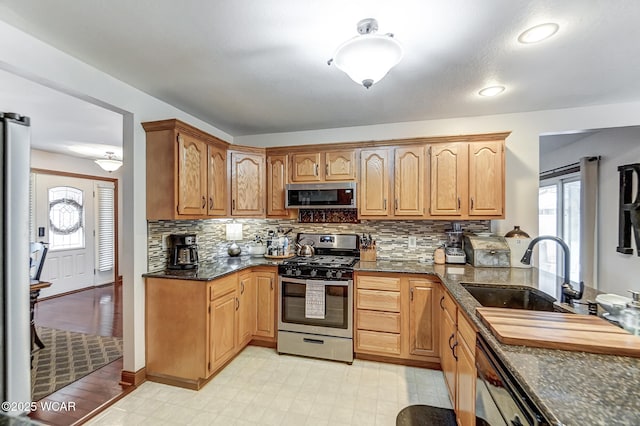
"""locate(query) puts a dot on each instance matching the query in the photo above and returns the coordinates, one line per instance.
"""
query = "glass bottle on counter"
(630, 317)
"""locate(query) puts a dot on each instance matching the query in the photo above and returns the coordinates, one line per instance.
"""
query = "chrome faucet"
(568, 293)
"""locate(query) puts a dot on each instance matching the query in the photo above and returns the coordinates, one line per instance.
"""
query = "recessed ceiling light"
(491, 91)
(538, 33)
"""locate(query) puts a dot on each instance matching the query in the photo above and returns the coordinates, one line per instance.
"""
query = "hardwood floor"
(94, 311)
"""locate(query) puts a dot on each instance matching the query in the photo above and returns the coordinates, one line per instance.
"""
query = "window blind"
(105, 258)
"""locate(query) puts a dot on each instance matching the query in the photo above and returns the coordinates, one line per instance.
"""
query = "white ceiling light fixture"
(538, 33)
(109, 164)
(491, 91)
(368, 57)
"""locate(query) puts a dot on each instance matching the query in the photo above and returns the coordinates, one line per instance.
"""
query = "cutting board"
(556, 330)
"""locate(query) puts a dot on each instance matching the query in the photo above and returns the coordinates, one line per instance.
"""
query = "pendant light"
(109, 164)
(368, 57)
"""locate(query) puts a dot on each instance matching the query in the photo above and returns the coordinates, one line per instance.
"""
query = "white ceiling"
(251, 66)
(62, 123)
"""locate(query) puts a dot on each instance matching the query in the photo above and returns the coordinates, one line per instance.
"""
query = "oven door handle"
(293, 280)
(330, 283)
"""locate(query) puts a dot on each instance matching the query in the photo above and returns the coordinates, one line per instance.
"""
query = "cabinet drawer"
(378, 283)
(373, 341)
(378, 300)
(222, 286)
(378, 321)
(466, 330)
(449, 306)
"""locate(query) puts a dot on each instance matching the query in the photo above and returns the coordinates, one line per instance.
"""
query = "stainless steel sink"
(512, 297)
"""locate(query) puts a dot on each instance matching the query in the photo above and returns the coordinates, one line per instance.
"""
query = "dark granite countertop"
(208, 271)
(569, 387)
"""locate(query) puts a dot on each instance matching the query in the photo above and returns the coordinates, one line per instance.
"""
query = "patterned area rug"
(68, 356)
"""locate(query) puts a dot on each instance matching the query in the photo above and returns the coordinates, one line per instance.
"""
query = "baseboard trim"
(130, 378)
(432, 365)
(270, 343)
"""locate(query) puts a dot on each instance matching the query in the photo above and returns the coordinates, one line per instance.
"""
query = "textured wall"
(391, 236)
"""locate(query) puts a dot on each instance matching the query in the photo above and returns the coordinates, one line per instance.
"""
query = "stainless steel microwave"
(330, 195)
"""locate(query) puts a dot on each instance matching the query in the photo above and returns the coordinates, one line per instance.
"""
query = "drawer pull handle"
(314, 341)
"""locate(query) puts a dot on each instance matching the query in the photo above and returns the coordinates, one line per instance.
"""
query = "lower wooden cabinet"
(458, 342)
(193, 328)
(266, 282)
(222, 330)
(395, 316)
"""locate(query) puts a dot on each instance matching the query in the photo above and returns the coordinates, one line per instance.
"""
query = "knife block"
(368, 255)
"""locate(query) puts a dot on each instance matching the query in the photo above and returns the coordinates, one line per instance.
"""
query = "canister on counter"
(518, 241)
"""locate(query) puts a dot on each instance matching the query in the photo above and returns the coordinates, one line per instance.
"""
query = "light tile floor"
(260, 387)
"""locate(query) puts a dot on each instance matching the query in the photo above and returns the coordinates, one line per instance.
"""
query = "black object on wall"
(629, 216)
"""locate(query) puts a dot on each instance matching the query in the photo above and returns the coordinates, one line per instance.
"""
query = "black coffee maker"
(184, 251)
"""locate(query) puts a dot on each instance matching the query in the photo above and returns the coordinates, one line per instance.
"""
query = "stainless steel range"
(315, 311)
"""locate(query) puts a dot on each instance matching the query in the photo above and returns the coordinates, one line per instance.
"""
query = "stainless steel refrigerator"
(15, 341)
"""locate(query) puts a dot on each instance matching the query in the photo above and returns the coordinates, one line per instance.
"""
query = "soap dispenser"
(630, 317)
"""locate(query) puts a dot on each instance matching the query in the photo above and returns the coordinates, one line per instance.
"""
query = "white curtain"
(589, 221)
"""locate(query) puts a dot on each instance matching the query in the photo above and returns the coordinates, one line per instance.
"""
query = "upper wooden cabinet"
(340, 165)
(408, 185)
(323, 166)
(192, 175)
(409, 181)
(186, 172)
(448, 179)
(247, 184)
(217, 200)
(374, 182)
(486, 179)
(276, 185)
(467, 180)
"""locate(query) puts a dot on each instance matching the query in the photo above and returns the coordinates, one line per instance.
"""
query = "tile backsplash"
(391, 235)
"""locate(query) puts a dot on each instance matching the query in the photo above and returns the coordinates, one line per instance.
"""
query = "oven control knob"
(339, 274)
(313, 273)
(329, 274)
(289, 271)
(298, 272)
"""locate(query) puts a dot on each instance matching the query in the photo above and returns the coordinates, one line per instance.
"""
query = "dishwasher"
(500, 401)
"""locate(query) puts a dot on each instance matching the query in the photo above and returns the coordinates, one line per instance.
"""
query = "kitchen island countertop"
(569, 387)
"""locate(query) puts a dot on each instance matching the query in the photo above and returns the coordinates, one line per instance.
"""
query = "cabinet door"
(192, 175)
(223, 329)
(486, 180)
(276, 185)
(247, 184)
(374, 182)
(448, 179)
(423, 323)
(265, 284)
(340, 165)
(217, 181)
(409, 181)
(306, 167)
(447, 361)
(246, 316)
(466, 386)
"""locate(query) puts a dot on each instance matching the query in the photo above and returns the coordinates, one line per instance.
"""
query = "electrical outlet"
(165, 241)
(412, 242)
